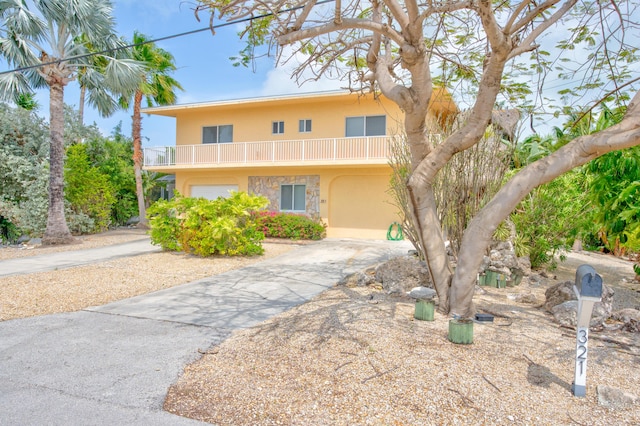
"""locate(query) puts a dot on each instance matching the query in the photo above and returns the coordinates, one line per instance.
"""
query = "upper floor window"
(370, 125)
(304, 126)
(277, 127)
(217, 134)
(293, 198)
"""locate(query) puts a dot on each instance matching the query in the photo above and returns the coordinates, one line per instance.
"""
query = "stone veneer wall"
(269, 186)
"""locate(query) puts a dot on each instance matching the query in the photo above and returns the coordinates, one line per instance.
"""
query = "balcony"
(358, 150)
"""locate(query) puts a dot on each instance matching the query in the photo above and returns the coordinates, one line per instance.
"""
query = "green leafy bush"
(114, 158)
(614, 191)
(88, 190)
(552, 216)
(292, 226)
(206, 227)
(9, 233)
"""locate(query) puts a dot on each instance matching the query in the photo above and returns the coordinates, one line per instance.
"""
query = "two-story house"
(323, 154)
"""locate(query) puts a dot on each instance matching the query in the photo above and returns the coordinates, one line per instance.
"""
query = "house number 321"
(581, 350)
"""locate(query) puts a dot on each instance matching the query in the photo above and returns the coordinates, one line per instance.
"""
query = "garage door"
(359, 207)
(212, 192)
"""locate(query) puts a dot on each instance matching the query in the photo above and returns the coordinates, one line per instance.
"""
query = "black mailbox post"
(588, 289)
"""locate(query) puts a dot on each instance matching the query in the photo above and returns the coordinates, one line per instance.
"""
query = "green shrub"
(9, 233)
(88, 190)
(552, 216)
(292, 226)
(207, 227)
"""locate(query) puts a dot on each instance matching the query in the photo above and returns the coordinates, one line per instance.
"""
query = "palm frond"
(103, 101)
(20, 19)
(123, 75)
(12, 85)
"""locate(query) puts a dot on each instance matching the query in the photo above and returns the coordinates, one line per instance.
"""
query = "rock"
(502, 258)
(485, 264)
(35, 241)
(562, 302)
(615, 398)
(134, 220)
(633, 326)
(630, 319)
(577, 245)
(566, 313)
(524, 298)
(401, 274)
(424, 293)
(524, 263)
(357, 279)
(625, 315)
(23, 239)
(558, 294)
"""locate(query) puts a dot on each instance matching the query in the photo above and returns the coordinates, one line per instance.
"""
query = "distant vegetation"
(99, 180)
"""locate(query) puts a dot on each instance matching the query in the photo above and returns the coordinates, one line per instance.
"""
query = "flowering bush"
(288, 225)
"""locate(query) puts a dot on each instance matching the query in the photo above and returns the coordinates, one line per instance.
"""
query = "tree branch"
(528, 43)
(363, 24)
(398, 13)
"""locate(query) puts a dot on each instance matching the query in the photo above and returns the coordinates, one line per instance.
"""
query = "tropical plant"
(289, 225)
(404, 50)
(88, 189)
(615, 191)
(552, 216)
(44, 44)
(204, 227)
(27, 101)
(114, 157)
(158, 88)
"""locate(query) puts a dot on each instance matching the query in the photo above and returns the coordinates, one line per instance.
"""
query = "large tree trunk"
(57, 231)
(432, 239)
(136, 128)
(480, 231)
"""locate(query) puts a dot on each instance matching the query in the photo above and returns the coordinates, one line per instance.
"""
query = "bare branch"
(447, 7)
(305, 14)
(363, 24)
(520, 8)
(528, 43)
(494, 33)
(398, 12)
(530, 16)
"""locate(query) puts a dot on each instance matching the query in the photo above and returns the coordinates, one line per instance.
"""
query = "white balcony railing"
(334, 150)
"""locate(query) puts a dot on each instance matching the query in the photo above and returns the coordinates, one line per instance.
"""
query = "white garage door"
(212, 192)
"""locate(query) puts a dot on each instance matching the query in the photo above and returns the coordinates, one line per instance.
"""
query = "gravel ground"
(355, 356)
(77, 288)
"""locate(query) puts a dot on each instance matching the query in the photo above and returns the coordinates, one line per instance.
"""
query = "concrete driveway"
(113, 364)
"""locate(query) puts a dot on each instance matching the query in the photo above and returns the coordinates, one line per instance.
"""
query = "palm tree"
(159, 88)
(44, 44)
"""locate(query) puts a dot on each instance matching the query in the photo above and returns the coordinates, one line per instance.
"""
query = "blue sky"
(204, 69)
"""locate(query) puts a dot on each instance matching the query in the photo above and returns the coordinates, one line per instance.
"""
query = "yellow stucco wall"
(353, 198)
(253, 122)
(353, 202)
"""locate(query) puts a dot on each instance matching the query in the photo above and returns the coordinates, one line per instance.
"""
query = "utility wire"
(209, 28)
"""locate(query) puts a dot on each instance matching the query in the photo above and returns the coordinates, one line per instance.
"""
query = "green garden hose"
(398, 232)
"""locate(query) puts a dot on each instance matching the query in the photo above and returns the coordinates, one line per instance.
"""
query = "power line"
(209, 28)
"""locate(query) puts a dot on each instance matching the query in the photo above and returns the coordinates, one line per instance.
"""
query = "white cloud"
(280, 80)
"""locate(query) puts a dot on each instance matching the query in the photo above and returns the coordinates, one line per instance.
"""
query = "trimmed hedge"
(288, 225)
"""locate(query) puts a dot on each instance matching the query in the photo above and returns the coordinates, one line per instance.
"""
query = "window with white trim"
(217, 134)
(293, 198)
(304, 126)
(370, 125)
(277, 127)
